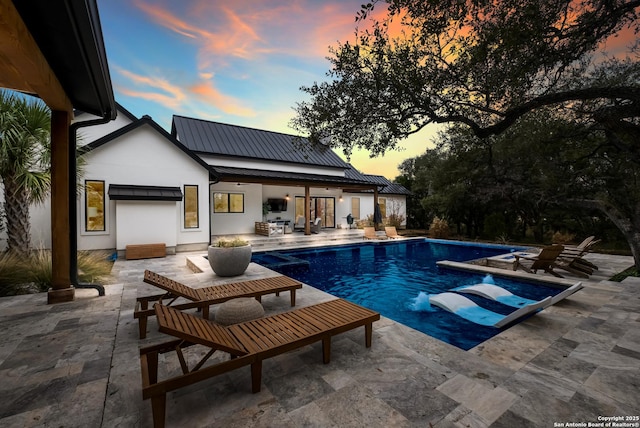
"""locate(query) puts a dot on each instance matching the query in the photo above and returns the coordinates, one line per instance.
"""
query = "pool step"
(282, 260)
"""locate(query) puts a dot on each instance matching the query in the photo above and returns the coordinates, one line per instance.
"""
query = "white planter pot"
(229, 261)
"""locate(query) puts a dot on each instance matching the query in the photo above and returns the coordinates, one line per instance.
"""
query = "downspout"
(73, 207)
(213, 179)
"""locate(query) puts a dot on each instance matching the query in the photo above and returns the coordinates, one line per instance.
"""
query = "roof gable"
(221, 139)
(146, 120)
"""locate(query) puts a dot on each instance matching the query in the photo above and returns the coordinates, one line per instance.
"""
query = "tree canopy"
(480, 63)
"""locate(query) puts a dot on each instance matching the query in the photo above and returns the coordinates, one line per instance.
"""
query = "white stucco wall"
(237, 223)
(91, 133)
(144, 157)
(146, 222)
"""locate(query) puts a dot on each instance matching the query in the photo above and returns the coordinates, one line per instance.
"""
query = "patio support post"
(61, 288)
(307, 210)
(375, 206)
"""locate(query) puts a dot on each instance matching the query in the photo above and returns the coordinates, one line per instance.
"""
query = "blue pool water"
(394, 278)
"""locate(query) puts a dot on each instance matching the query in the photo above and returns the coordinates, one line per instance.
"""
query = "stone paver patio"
(76, 364)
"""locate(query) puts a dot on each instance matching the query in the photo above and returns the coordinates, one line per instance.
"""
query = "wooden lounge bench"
(247, 343)
(202, 298)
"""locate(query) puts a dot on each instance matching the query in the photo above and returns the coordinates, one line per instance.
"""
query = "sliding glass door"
(323, 207)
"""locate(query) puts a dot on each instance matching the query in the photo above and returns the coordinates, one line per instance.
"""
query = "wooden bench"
(145, 251)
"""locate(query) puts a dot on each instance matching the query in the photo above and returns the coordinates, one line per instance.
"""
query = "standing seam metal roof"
(216, 138)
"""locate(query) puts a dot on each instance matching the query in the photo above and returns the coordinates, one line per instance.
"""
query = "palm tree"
(25, 159)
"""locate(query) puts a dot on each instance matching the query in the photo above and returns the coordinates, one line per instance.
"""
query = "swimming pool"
(389, 277)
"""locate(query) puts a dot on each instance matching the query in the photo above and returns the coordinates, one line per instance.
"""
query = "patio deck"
(76, 364)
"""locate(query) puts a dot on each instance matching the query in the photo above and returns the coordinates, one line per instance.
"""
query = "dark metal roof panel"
(395, 189)
(378, 179)
(130, 192)
(285, 176)
(231, 140)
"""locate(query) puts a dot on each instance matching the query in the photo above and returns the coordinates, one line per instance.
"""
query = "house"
(143, 185)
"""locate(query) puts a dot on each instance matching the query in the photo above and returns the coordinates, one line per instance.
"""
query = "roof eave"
(77, 55)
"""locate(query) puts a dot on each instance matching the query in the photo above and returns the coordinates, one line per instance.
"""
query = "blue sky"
(240, 62)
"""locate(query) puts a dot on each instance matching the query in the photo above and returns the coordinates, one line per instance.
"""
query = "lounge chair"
(498, 294)
(247, 343)
(202, 298)
(391, 232)
(370, 233)
(299, 223)
(317, 224)
(544, 260)
(571, 264)
(566, 293)
(501, 295)
(469, 310)
(583, 246)
(572, 257)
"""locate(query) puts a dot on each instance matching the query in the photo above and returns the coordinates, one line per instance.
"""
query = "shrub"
(439, 228)
(365, 222)
(562, 237)
(395, 220)
(12, 274)
(21, 275)
(93, 266)
(227, 243)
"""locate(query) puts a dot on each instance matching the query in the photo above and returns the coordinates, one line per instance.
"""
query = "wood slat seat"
(247, 343)
(203, 298)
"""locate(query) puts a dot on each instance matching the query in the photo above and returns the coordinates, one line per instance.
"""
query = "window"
(228, 202)
(355, 207)
(191, 220)
(94, 208)
(383, 206)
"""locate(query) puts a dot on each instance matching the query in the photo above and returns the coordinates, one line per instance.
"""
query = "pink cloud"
(157, 89)
(175, 97)
(206, 92)
(247, 29)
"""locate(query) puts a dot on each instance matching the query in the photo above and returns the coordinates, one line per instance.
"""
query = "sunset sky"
(239, 62)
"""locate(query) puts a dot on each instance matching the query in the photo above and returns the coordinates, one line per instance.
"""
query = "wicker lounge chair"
(317, 225)
(247, 343)
(391, 232)
(299, 223)
(370, 233)
(202, 298)
(544, 260)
